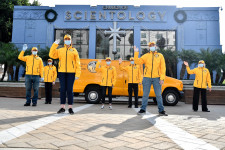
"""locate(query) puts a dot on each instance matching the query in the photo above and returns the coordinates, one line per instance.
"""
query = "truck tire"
(93, 95)
(170, 97)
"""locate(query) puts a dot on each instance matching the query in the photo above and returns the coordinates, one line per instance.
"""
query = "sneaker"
(102, 107)
(163, 113)
(49, 102)
(46, 102)
(61, 110)
(195, 110)
(110, 107)
(26, 104)
(129, 106)
(141, 112)
(34, 105)
(71, 111)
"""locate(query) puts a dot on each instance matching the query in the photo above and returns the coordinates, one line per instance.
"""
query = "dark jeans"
(48, 92)
(32, 80)
(104, 93)
(66, 87)
(131, 87)
(196, 99)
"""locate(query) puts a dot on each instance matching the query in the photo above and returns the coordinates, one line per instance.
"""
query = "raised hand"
(57, 41)
(185, 63)
(136, 49)
(120, 60)
(24, 47)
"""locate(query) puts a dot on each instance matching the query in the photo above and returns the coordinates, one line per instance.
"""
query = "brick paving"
(117, 129)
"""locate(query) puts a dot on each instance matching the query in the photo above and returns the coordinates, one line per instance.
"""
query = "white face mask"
(67, 42)
(50, 63)
(108, 62)
(201, 65)
(152, 49)
(132, 62)
(34, 52)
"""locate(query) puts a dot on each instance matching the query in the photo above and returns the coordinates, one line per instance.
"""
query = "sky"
(178, 3)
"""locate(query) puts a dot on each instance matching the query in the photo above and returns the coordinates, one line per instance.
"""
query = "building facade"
(102, 31)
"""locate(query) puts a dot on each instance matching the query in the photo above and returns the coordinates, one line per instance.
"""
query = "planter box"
(216, 96)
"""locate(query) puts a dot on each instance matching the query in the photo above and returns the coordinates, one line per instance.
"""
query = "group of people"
(69, 70)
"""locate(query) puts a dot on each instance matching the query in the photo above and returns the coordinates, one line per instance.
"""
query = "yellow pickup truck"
(89, 84)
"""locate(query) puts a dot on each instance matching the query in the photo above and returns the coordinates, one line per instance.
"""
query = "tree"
(6, 16)
(190, 56)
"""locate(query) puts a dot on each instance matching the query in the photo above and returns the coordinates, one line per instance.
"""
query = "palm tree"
(187, 55)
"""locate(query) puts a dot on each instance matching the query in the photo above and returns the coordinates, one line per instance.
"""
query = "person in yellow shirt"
(134, 78)
(69, 70)
(34, 69)
(108, 79)
(50, 75)
(202, 79)
(154, 73)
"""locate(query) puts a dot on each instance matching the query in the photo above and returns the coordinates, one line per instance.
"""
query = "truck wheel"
(154, 100)
(93, 95)
(170, 97)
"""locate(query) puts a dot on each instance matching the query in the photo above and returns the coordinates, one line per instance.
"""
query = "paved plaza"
(118, 129)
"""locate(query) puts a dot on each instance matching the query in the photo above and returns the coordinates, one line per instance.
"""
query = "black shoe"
(195, 110)
(49, 102)
(163, 113)
(26, 104)
(34, 105)
(206, 111)
(46, 102)
(71, 111)
(129, 106)
(61, 110)
(141, 112)
(136, 106)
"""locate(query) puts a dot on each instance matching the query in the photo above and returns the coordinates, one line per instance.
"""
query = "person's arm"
(41, 68)
(189, 71)
(54, 74)
(114, 76)
(138, 61)
(208, 80)
(98, 67)
(53, 51)
(162, 68)
(78, 67)
(22, 57)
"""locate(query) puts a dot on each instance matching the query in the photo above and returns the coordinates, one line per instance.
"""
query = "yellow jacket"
(154, 64)
(202, 77)
(69, 60)
(108, 74)
(134, 73)
(34, 64)
(50, 73)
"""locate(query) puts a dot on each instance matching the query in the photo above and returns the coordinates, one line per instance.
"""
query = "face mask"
(152, 49)
(67, 42)
(132, 62)
(34, 52)
(201, 65)
(50, 63)
(108, 62)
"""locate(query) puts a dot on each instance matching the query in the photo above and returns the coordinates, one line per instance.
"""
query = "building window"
(143, 35)
(104, 46)
(80, 40)
(163, 39)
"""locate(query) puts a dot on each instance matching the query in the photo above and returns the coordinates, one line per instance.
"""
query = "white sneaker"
(102, 107)
(110, 107)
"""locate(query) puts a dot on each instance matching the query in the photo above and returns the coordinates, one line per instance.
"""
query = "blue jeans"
(66, 87)
(147, 82)
(32, 80)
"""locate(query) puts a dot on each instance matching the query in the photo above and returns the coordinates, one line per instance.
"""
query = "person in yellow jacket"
(108, 79)
(134, 79)
(154, 73)
(34, 69)
(69, 70)
(202, 79)
(50, 75)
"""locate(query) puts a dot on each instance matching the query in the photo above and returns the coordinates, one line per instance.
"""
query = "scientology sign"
(115, 13)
